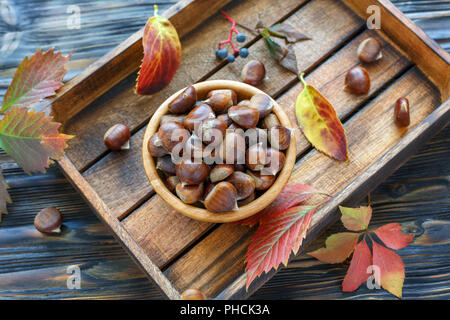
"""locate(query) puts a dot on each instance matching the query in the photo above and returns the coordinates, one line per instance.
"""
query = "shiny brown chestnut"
(228, 92)
(185, 101)
(172, 182)
(193, 148)
(171, 134)
(190, 172)
(256, 157)
(262, 181)
(221, 198)
(244, 103)
(270, 121)
(263, 103)
(244, 116)
(244, 184)
(189, 194)
(279, 137)
(369, 50)
(275, 162)
(193, 294)
(232, 149)
(155, 147)
(247, 200)
(357, 80)
(401, 112)
(197, 115)
(173, 118)
(117, 137)
(48, 220)
(166, 165)
(219, 102)
(253, 73)
(220, 172)
(211, 129)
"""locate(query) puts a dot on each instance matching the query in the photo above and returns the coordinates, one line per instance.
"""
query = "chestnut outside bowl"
(244, 91)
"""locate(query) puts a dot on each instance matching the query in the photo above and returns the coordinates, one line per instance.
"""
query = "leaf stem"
(302, 79)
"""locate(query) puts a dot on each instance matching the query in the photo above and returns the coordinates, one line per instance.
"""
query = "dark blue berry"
(230, 58)
(243, 52)
(240, 37)
(221, 53)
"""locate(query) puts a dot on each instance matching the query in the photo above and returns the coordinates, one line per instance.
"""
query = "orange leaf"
(357, 272)
(392, 269)
(162, 55)
(36, 78)
(392, 236)
(31, 138)
(356, 219)
(338, 247)
(275, 239)
(320, 123)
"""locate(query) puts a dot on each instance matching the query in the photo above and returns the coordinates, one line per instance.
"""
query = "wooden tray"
(177, 252)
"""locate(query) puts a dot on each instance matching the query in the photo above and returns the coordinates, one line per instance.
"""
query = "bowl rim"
(202, 214)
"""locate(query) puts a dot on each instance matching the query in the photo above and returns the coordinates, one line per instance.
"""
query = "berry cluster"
(222, 53)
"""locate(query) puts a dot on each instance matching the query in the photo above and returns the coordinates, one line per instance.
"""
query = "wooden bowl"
(243, 91)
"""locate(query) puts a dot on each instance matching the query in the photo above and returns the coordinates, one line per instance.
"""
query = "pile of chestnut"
(219, 153)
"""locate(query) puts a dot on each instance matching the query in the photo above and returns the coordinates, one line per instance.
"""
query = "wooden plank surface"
(425, 197)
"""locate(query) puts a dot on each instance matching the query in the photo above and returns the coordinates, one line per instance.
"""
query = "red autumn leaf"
(275, 239)
(392, 236)
(290, 196)
(357, 272)
(392, 269)
(356, 219)
(4, 195)
(31, 138)
(162, 55)
(338, 247)
(36, 78)
(320, 123)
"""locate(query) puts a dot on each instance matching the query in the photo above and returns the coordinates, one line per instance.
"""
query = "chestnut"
(279, 137)
(173, 118)
(232, 149)
(48, 220)
(166, 165)
(220, 172)
(171, 134)
(185, 101)
(228, 92)
(239, 167)
(211, 129)
(270, 121)
(357, 80)
(244, 184)
(208, 189)
(369, 50)
(117, 137)
(221, 198)
(189, 194)
(190, 172)
(244, 103)
(244, 116)
(262, 181)
(225, 118)
(172, 182)
(220, 102)
(197, 115)
(401, 112)
(256, 157)
(263, 103)
(275, 162)
(155, 147)
(247, 200)
(253, 73)
(254, 136)
(193, 294)
(193, 148)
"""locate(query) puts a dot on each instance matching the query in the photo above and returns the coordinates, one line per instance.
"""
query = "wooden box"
(178, 253)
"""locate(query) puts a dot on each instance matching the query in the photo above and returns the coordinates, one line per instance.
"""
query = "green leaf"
(36, 78)
(31, 138)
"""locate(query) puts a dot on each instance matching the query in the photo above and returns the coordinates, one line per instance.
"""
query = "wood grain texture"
(147, 221)
(132, 189)
(22, 181)
(371, 132)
